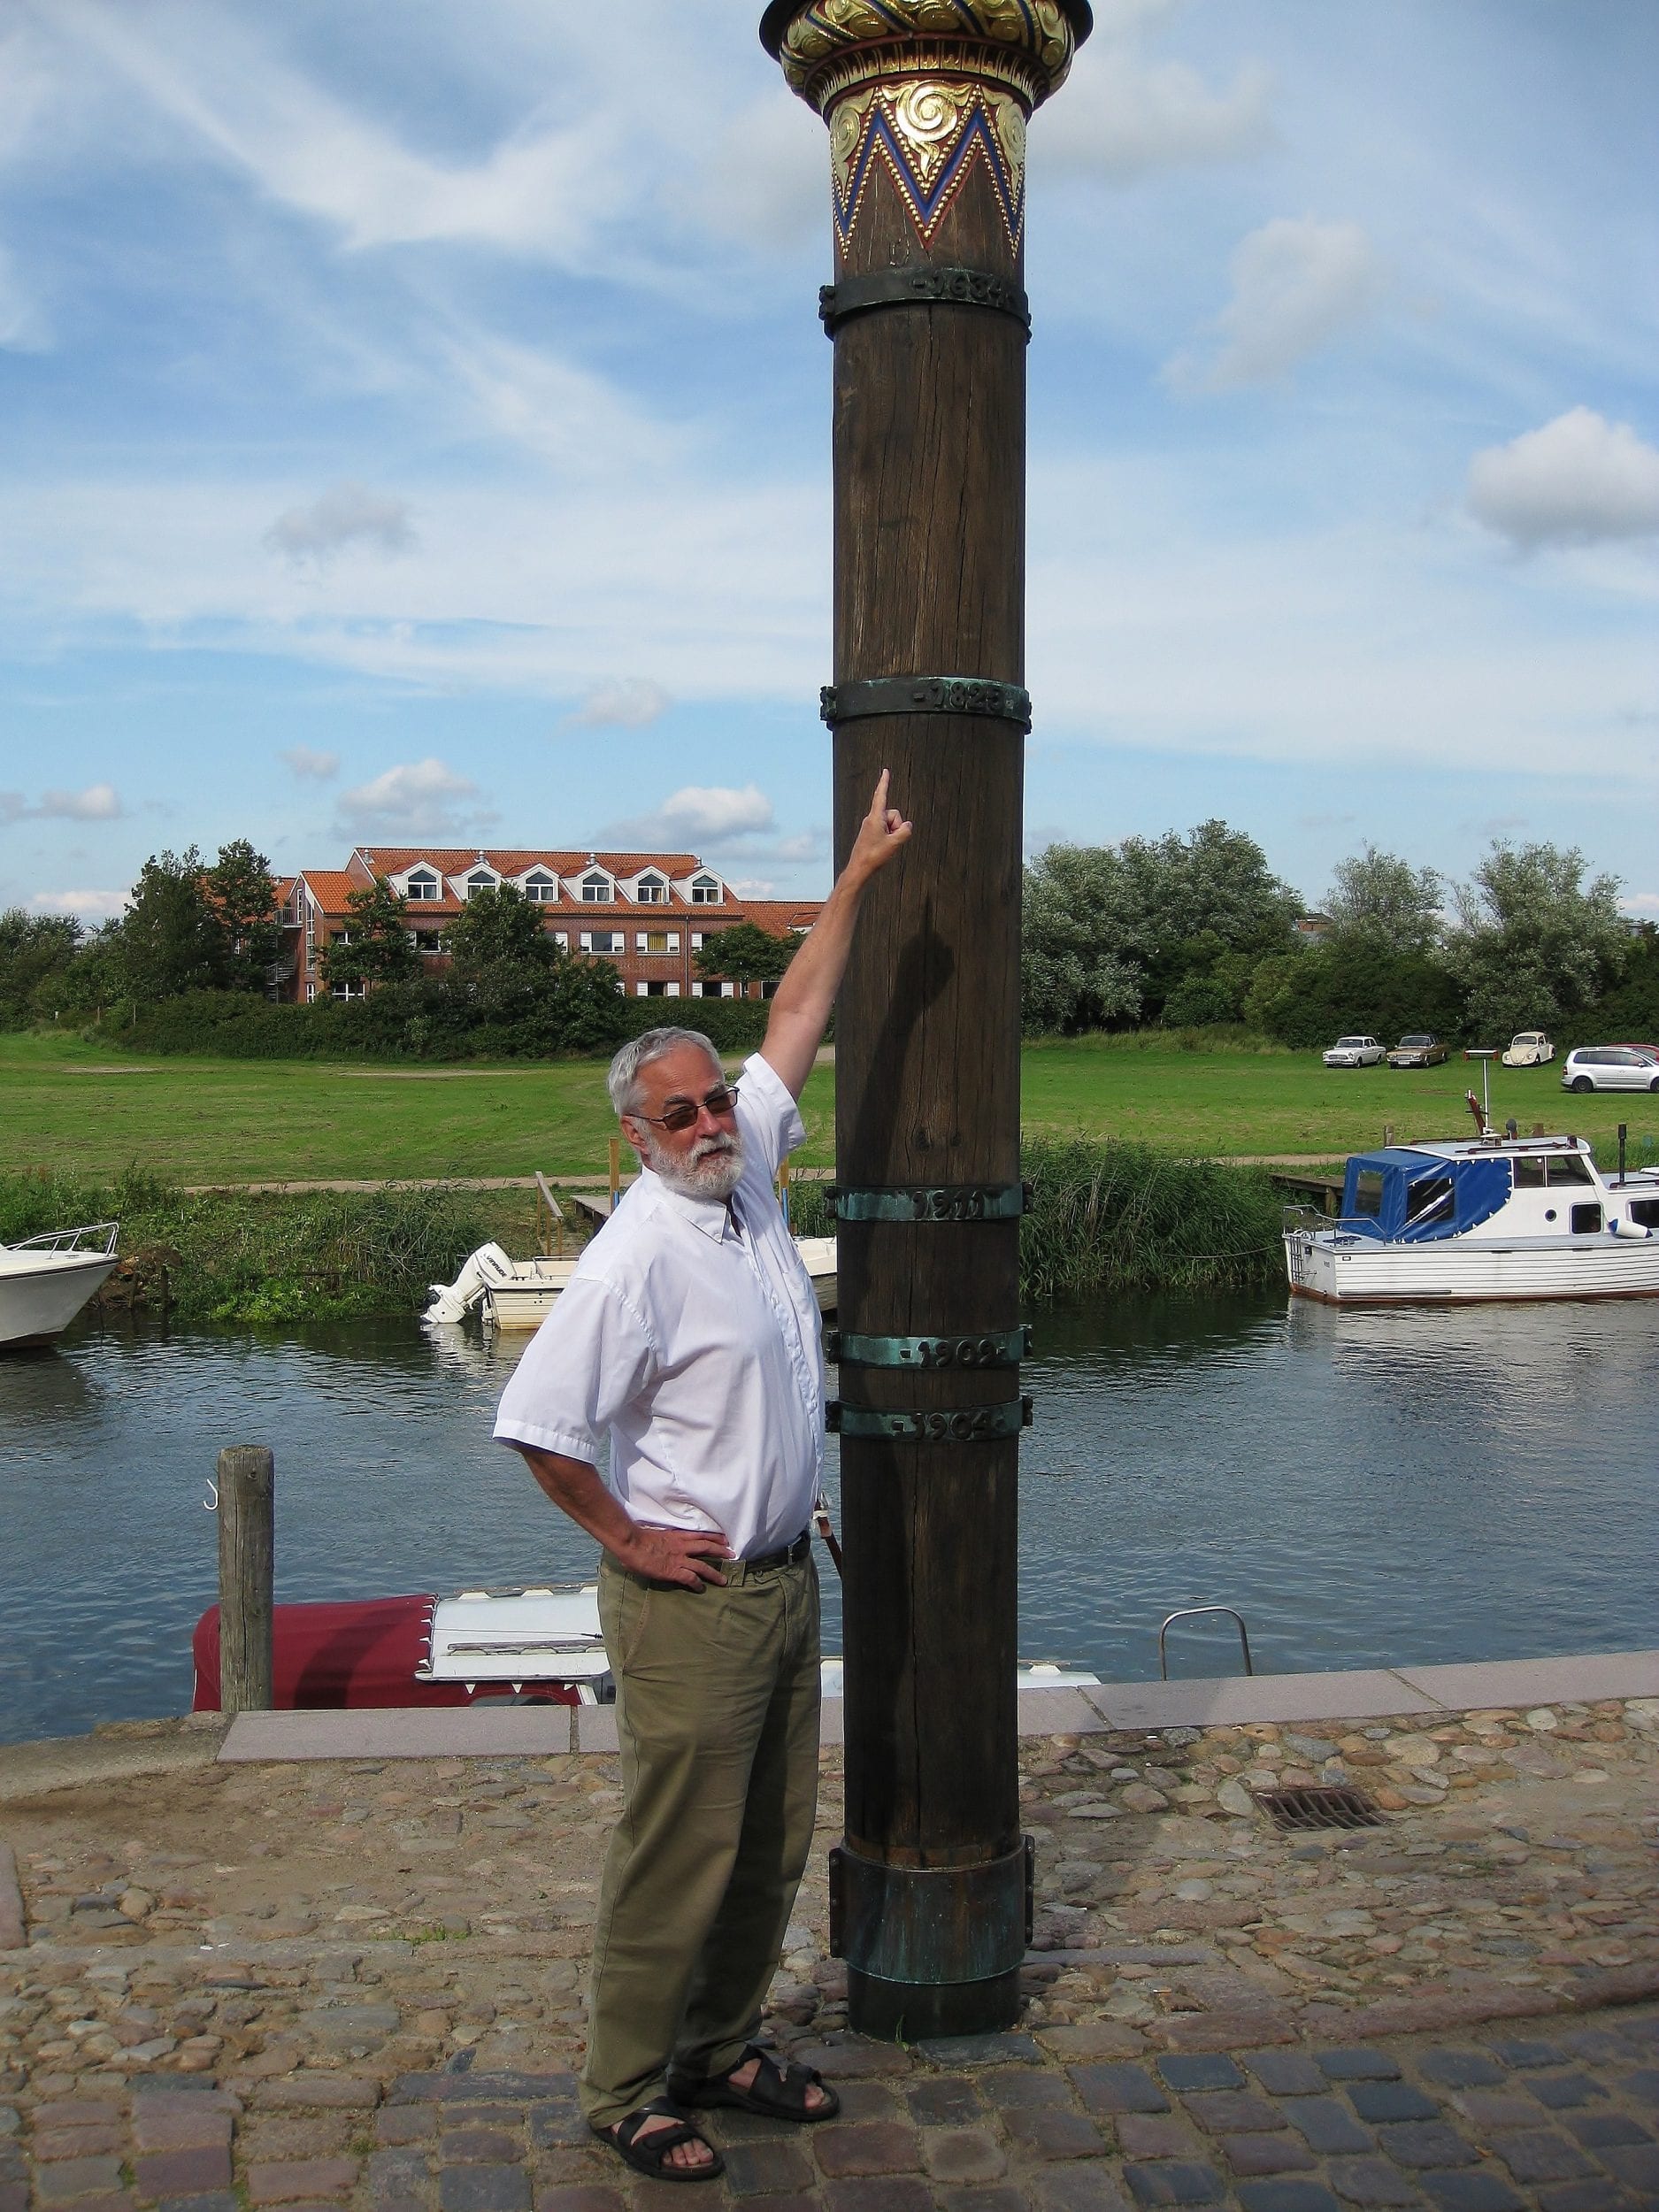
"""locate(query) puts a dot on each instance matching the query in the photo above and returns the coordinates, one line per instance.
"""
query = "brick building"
(647, 913)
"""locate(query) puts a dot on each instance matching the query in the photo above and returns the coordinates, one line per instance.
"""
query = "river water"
(1382, 1488)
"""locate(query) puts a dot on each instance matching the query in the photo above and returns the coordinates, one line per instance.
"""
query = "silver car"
(1610, 1068)
(1356, 1052)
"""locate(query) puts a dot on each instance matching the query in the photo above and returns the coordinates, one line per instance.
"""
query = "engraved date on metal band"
(942, 1202)
(991, 1347)
(926, 694)
(923, 287)
(937, 1424)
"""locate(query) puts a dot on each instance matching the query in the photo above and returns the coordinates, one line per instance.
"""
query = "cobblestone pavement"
(235, 1986)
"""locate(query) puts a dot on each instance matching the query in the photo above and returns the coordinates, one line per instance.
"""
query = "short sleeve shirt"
(696, 1349)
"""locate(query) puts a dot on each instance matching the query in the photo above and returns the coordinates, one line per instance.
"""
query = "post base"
(912, 2012)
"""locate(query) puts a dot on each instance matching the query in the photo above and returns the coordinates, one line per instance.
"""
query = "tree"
(375, 948)
(1534, 944)
(1318, 992)
(170, 939)
(744, 954)
(33, 949)
(1385, 901)
(498, 924)
(242, 895)
(1110, 932)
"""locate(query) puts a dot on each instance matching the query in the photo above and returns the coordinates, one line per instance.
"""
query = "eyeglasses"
(719, 1100)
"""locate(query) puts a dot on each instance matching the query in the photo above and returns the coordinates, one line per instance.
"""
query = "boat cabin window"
(1646, 1211)
(1367, 1193)
(1529, 1173)
(1569, 1167)
(1429, 1198)
(1587, 1221)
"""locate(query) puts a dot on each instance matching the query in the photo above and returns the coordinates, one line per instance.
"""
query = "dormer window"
(422, 886)
(541, 890)
(652, 891)
(480, 879)
(596, 889)
(705, 891)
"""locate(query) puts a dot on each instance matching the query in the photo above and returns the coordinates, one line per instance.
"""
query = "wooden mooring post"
(247, 1565)
(926, 102)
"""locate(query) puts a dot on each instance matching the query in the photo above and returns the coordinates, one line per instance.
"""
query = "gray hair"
(622, 1082)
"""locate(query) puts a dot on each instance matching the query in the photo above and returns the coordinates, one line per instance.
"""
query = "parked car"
(1423, 1050)
(1356, 1052)
(1529, 1049)
(1610, 1068)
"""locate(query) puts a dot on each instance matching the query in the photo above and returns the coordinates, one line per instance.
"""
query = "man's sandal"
(648, 2154)
(777, 2093)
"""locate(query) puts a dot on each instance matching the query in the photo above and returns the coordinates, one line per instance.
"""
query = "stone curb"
(61, 1763)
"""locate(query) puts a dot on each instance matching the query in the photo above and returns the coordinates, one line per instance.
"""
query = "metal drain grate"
(1325, 1807)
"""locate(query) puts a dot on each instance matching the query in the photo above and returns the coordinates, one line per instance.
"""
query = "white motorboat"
(1482, 1218)
(509, 1294)
(45, 1280)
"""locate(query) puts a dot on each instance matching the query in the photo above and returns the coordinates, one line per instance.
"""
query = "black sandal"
(650, 2154)
(777, 2093)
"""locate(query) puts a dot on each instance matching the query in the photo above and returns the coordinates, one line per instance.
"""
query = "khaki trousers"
(717, 1718)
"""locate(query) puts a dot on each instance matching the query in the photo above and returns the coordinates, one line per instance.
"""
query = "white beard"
(712, 1170)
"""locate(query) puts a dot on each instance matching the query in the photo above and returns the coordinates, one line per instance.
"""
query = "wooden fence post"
(247, 1567)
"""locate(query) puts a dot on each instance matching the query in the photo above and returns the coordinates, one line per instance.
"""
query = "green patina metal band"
(925, 286)
(989, 1347)
(869, 695)
(929, 1925)
(940, 1201)
(932, 1425)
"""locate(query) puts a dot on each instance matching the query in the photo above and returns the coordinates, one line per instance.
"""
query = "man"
(689, 1336)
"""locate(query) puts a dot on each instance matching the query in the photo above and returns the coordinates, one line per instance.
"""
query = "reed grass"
(234, 1256)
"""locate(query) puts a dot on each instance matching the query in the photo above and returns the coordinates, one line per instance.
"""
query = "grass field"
(65, 1106)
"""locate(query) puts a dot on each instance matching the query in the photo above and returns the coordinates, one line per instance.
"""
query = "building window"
(310, 992)
(422, 887)
(479, 880)
(657, 990)
(541, 891)
(427, 941)
(596, 890)
(603, 941)
(705, 891)
(562, 939)
(340, 936)
(652, 891)
(657, 941)
(348, 990)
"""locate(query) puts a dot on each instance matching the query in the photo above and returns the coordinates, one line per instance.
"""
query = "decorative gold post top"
(924, 89)
(1034, 40)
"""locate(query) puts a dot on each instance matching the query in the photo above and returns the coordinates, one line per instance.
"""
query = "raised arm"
(801, 1008)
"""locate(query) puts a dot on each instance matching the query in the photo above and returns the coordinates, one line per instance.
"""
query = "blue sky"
(416, 428)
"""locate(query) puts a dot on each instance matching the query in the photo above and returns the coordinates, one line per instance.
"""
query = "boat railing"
(1309, 1220)
(69, 1240)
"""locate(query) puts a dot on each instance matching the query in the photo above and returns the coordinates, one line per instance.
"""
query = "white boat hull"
(1361, 1271)
(519, 1294)
(41, 1293)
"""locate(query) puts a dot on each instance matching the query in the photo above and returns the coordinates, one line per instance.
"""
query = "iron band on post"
(926, 285)
(937, 1424)
(925, 694)
(990, 1347)
(942, 1202)
(910, 1924)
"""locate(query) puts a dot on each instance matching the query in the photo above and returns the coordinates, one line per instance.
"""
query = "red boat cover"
(328, 1657)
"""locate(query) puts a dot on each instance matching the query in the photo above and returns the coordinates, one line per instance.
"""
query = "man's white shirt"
(698, 1351)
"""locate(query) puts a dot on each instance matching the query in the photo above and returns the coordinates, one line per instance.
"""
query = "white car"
(1609, 1068)
(1529, 1049)
(1356, 1052)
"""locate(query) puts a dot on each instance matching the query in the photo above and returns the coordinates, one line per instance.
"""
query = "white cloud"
(1643, 904)
(1121, 117)
(753, 887)
(767, 181)
(23, 326)
(418, 799)
(1297, 283)
(86, 906)
(309, 765)
(347, 514)
(1578, 481)
(98, 802)
(705, 818)
(628, 702)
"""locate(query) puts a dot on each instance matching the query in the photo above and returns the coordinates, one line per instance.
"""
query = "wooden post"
(926, 103)
(247, 1564)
